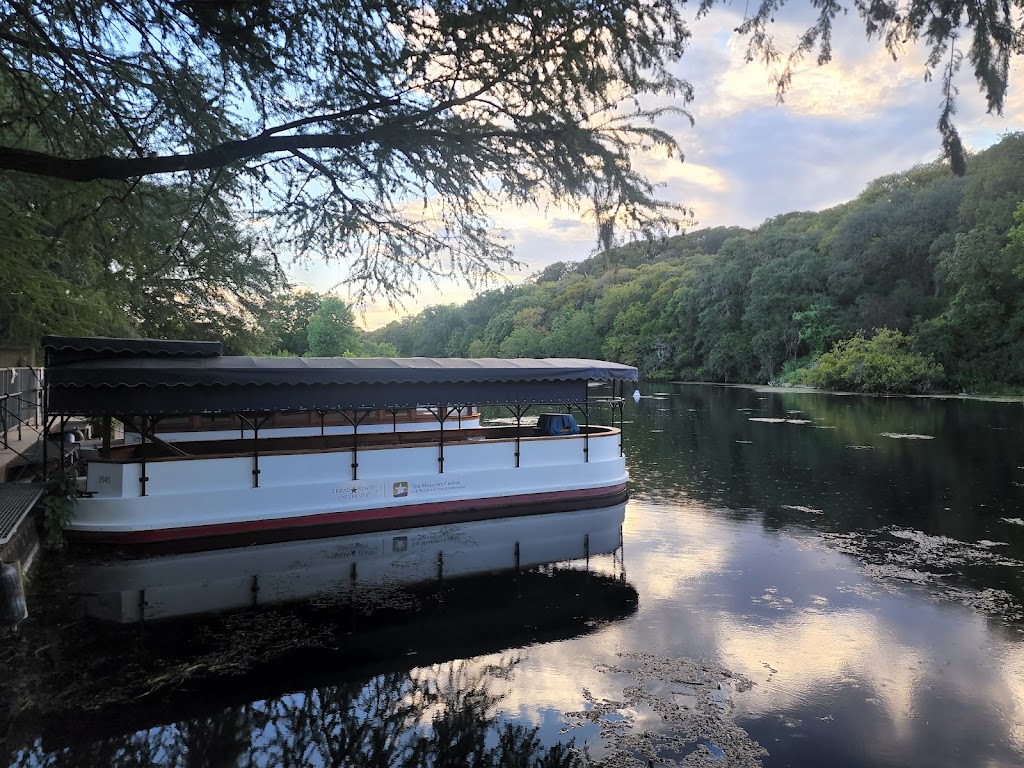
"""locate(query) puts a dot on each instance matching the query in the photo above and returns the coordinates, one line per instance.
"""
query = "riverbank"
(799, 388)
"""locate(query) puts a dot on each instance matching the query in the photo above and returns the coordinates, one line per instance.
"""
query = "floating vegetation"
(905, 436)
(771, 599)
(692, 703)
(799, 508)
(861, 447)
(938, 562)
(997, 602)
(1011, 520)
(367, 599)
(771, 420)
(943, 551)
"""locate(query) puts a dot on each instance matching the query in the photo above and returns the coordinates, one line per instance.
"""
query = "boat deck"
(159, 450)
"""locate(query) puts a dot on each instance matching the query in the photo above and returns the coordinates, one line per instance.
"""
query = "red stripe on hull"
(359, 521)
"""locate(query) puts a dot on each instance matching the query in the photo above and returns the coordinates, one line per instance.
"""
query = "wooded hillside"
(937, 259)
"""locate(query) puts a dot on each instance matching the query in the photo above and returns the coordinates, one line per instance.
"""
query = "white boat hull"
(305, 494)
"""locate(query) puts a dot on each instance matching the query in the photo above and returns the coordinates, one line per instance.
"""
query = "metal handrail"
(30, 397)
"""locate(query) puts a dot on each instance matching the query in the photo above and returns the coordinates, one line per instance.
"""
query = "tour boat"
(263, 485)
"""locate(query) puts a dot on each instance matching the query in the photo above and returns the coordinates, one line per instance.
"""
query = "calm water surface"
(801, 579)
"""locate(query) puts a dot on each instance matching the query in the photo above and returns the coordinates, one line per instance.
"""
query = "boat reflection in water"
(221, 580)
(351, 637)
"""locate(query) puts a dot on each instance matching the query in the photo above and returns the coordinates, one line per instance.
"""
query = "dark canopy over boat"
(143, 377)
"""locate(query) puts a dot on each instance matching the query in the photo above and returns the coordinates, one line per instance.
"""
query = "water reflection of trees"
(443, 715)
(700, 444)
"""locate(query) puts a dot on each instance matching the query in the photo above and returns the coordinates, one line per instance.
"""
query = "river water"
(798, 579)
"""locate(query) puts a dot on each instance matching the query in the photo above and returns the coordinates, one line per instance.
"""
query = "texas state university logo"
(400, 489)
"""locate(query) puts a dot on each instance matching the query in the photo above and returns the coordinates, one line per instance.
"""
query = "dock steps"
(16, 501)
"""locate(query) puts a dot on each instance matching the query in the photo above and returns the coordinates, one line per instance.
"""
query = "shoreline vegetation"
(914, 287)
(801, 389)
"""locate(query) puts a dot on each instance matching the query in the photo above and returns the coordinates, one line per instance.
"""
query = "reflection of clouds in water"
(670, 571)
(801, 662)
(684, 545)
(797, 664)
(814, 650)
(810, 655)
(1013, 676)
(831, 649)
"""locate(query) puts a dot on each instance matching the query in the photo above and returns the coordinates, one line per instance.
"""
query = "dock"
(18, 538)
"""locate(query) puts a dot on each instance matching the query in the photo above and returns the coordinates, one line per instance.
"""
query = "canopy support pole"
(441, 414)
(255, 425)
(518, 411)
(106, 427)
(142, 453)
(586, 425)
(355, 420)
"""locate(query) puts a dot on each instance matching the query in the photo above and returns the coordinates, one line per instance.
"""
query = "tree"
(89, 260)
(287, 321)
(332, 330)
(779, 290)
(332, 117)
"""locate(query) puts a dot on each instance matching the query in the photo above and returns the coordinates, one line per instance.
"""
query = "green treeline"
(915, 285)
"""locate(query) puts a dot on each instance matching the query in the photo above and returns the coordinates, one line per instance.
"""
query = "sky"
(748, 158)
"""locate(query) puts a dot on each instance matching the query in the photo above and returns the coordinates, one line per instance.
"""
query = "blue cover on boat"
(557, 424)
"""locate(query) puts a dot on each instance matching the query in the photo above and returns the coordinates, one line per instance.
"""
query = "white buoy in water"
(636, 395)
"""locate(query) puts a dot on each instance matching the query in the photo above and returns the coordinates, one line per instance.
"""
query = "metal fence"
(21, 401)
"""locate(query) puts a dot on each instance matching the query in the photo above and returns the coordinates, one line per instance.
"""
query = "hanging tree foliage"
(381, 132)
